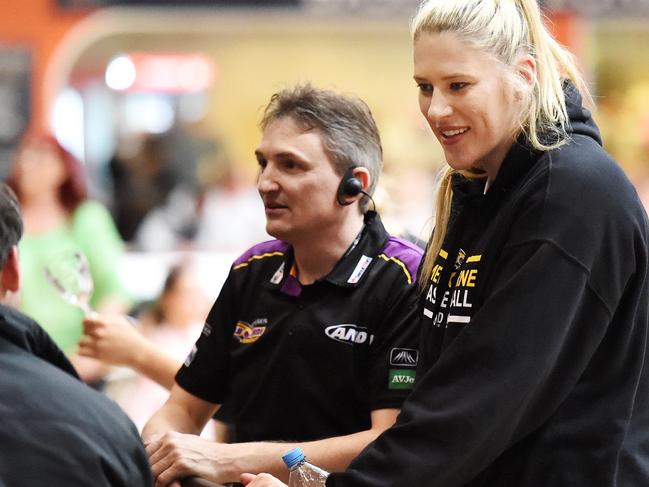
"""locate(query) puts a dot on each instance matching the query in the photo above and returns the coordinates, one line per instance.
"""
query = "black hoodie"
(533, 367)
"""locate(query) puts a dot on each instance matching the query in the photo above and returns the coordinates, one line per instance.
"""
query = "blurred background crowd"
(128, 129)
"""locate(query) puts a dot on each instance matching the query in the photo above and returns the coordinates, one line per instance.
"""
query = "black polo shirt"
(298, 363)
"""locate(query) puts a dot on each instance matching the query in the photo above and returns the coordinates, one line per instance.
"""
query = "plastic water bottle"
(302, 473)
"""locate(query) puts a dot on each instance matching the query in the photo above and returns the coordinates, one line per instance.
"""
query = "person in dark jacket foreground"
(56, 431)
(533, 367)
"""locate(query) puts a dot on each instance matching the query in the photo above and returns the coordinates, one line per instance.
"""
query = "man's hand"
(174, 456)
(112, 339)
(261, 480)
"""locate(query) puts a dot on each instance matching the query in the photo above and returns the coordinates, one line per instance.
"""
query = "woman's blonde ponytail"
(547, 114)
(442, 216)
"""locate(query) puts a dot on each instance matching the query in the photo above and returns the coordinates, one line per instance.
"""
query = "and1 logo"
(349, 334)
(401, 379)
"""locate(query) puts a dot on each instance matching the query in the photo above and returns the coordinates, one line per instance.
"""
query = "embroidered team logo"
(349, 334)
(246, 333)
(404, 357)
(461, 257)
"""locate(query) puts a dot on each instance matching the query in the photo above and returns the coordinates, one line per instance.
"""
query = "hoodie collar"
(521, 156)
(518, 161)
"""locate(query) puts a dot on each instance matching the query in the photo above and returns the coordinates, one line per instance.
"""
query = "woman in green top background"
(50, 184)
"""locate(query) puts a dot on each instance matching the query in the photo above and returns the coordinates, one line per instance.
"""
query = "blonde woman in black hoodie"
(533, 366)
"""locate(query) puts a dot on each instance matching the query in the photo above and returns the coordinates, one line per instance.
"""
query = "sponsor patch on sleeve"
(190, 357)
(207, 330)
(401, 379)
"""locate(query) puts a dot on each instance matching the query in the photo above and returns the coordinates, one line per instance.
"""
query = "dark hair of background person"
(170, 283)
(349, 132)
(11, 223)
(74, 190)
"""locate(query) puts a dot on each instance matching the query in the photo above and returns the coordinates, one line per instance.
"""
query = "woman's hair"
(504, 30)
(73, 191)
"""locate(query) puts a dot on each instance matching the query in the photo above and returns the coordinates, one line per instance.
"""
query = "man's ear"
(10, 276)
(363, 175)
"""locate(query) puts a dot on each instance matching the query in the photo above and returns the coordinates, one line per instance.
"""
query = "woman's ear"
(526, 69)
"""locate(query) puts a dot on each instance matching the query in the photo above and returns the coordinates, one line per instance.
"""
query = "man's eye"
(458, 85)
(288, 164)
(262, 163)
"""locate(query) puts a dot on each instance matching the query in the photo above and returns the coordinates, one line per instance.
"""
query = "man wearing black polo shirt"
(313, 338)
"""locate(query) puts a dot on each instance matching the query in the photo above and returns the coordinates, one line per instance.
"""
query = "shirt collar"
(350, 270)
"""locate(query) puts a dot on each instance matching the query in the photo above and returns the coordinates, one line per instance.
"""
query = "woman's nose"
(439, 107)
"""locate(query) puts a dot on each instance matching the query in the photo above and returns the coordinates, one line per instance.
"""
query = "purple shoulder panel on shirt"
(267, 247)
(405, 251)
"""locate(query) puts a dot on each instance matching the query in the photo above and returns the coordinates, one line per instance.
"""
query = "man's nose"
(267, 182)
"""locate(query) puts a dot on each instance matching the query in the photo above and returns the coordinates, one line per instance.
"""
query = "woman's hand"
(111, 338)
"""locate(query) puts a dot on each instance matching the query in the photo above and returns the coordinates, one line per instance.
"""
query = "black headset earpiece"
(349, 186)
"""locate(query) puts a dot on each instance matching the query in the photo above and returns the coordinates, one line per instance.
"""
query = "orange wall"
(38, 25)
(570, 29)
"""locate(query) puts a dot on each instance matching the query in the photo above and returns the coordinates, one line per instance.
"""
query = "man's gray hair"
(349, 133)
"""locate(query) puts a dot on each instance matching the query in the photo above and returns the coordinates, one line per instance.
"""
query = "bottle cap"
(293, 457)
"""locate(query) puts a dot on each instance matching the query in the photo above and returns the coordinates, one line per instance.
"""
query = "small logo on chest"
(404, 357)
(349, 334)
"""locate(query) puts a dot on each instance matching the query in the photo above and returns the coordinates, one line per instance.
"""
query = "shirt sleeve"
(394, 352)
(206, 370)
(501, 378)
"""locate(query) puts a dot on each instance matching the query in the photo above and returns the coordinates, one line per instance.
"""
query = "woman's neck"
(40, 198)
(43, 213)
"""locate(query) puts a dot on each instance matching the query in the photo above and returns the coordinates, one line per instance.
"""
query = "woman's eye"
(425, 88)
(458, 85)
